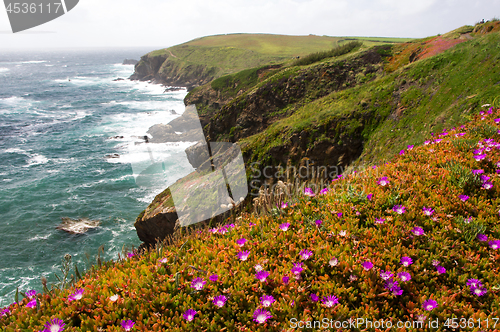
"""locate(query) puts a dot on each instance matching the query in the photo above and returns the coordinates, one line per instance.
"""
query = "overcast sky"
(163, 23)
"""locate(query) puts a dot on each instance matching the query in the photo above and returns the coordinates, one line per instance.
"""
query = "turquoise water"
(59, 114)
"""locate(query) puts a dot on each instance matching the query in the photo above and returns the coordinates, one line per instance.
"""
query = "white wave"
(38, 237)
(12, 100)
(33, 61)
(49, 65)
(155, 105)
(3, 70)
(37, 159)
(15, 150)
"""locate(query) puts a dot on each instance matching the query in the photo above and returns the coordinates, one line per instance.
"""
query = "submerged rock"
(77, 226)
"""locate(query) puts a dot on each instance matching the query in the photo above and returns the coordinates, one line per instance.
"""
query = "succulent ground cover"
(413, 240)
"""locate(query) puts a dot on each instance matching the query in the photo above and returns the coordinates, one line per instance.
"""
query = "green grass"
(215, 56)
(358, 224)
(402, 107)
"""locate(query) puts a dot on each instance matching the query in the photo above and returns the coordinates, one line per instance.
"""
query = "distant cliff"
(201, 60)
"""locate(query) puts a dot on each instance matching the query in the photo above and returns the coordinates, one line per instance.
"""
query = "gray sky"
(103, 23)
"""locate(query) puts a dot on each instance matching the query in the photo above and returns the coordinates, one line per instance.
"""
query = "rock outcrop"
(77, 226)
(130, 62)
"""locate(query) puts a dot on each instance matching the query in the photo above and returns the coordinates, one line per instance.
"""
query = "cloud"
(166, 23)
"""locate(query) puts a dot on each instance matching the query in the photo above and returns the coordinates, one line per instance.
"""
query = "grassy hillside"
(203, 59)
(414, 240)
(362, 111)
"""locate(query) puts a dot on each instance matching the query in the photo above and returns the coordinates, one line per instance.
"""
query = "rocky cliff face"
(169, 70)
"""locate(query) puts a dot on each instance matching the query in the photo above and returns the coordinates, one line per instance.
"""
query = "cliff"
(199, 61)
(353, 109)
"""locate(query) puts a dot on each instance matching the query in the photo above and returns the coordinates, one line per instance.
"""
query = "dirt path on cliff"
(172, 54)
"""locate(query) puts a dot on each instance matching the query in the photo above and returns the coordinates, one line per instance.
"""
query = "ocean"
(71, 145)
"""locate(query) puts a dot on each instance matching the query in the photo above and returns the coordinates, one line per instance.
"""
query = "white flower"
(113, 298)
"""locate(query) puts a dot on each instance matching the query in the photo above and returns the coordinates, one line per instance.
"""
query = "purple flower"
(243, 255)
(482, 237)
(309, 192)
(484, 178)
(260, 316)
(353, 277)
(130, 254)
(77, 295)
(383, 181)
(429, 304)
(386, 275)
(286, 280)
(31, 304)
(440, 269)
(213, 277)
(417, 231)
(404, 276)
(267, 300)
(402, 152)
(284, 205)
(487, 185)
(379, 220)
(333, 262)
(435, 262)
(494, 244)
(127, 324)
(284, 227)
(340, 214)
(400, 209)
(479, 157)
(428, 211)
(474, 283)
(219, 301)
(31, 293)
(330, 300)
(318, 222)
(367, 265)
(198, 283)
(438, 140)
(478, 291)
(463, 197)
(262, 275)
(393, 286)
(224, 229)
(314, 297)
(369, 197)
(427, 142)
(55, 325)
(406, 261)
(323, 191)
(410, 147)
(241, 242)
(477, 171)
(4, 312)
(305, 254)
(189, 314)
(297, 269)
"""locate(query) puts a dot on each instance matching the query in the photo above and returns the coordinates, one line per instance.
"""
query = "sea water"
(71, 145)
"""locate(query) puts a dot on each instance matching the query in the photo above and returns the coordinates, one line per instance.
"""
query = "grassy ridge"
(337, 255)
(399, 108)
(214, 56)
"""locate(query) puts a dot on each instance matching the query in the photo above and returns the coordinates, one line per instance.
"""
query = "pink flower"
(383, 181)
(309, 192)
(367, 265)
